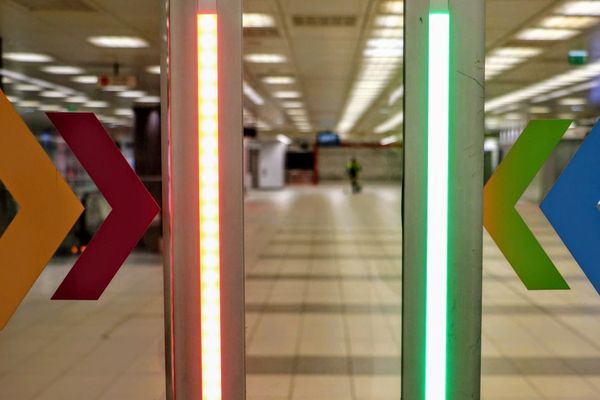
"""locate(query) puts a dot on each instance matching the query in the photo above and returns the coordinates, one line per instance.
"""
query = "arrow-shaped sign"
(47, 210)
(505, 188)
(133, 208)
(571, 207)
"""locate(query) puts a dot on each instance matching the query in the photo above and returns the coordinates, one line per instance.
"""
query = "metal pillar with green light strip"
(444, 75)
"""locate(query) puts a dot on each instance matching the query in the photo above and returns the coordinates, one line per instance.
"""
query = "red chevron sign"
(133, 208)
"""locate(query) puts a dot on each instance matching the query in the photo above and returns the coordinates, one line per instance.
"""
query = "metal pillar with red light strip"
(202, 145)
(443, 199)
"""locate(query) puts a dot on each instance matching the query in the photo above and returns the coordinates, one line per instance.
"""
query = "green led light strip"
(437, 205)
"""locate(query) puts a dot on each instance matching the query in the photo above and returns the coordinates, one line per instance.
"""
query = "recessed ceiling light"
(25, 87)
(13, 99)
(27, 57)
(569, 22)
(297, 111)
(132, 94)
(118, 42)
(389, 21)
(279, 80)
(53, 94)
(546, 34)
(62, 70)
(256, 20)
(153, 69)
(265, 58)
(383, 53)
(96, 104)
(87, 79)
(581, 8)
(148, 99)
(289, 94)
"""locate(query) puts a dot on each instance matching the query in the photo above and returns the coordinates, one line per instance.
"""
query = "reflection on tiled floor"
(323, 293)
(539, 345)
(323, 315)
(106, 350)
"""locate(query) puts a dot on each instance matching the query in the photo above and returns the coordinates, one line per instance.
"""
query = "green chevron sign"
(505, 188)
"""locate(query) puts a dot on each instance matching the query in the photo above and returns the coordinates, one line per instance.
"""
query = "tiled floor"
(323, 315)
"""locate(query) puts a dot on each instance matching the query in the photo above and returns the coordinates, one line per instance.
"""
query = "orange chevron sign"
(48, 209)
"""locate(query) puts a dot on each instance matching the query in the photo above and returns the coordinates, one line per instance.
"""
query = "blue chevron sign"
(571, 206)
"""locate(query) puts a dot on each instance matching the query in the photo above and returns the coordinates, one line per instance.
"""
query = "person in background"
(353, 169)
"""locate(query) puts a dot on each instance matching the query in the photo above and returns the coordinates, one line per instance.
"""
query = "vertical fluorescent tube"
(437, 205)
(208, 172)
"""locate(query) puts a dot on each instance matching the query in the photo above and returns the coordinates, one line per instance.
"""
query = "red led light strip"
(208, 171)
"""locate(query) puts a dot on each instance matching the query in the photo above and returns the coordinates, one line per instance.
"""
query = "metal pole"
(203, 158)
(455, 233)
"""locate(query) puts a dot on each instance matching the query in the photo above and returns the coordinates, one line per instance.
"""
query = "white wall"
(379, 163)
(271, 165)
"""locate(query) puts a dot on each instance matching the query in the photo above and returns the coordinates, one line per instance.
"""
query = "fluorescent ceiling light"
(567, 116)
(391, 123)
(13, 99)
(28, 103)
(279, 80)
(580, 8)
(284, 139)
(296, 111)
(153, 69)
(265, 58)
(540, 91)
(87, 79)
(389, 21)
(292, 104)
(569, 22)
(62, 70)
(124, 112)
(517, 52)
(253, 95)
(389, 140)
(115, 88)
(27, 57)
(53, 94)
(392, 7)
(24, 87)
(572, 101)
(539, 110)
(19, 77)
(148, 99)
(96, 104)
(388, 33)
(77, 99)
(383, 53)
(288, 94)
(396, 95)
(546, 34)
(118, 42)
(51, 107)
(132, 94)
(257, 20)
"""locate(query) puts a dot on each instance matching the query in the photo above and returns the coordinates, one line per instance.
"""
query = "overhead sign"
(48, 209)
(505, 188)
(571, 207)
(133, 207)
